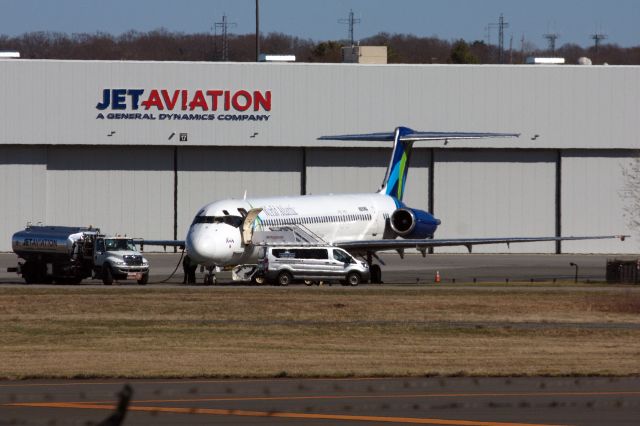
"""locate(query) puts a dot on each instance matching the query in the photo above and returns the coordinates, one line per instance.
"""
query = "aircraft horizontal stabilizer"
(410, 135)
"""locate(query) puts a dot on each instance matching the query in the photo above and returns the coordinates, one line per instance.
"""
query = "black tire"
(29, 277)
(107, 275)
(210, 279)
(284, 278)
(32, 274)
(376, 274)
(144, 280)
(353, 279)
(258, 280)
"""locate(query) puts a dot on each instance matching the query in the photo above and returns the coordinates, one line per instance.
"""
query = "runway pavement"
(413, 268)
(431, 400)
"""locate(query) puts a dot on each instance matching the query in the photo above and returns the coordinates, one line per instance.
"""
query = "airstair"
(287, 235)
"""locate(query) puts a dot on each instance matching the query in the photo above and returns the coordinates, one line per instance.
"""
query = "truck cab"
(118, 258)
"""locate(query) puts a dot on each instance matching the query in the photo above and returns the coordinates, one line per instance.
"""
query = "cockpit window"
(234, 221)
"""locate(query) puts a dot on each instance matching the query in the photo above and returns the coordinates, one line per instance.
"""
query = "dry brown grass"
(156, 332)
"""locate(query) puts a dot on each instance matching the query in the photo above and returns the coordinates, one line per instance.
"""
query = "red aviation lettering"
(185, 100)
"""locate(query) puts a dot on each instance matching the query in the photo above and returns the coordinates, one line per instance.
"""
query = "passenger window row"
(318, 219)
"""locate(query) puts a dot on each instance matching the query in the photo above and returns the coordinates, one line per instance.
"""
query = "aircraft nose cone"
(200, 248)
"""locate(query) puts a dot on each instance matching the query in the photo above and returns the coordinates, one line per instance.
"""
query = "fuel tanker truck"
(67, 255)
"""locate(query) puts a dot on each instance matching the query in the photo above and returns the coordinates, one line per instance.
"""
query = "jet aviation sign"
(184, 105)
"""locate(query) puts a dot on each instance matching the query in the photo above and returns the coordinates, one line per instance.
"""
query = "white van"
(283, 265)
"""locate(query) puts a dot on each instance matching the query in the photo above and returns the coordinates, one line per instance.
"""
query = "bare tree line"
(163, 45)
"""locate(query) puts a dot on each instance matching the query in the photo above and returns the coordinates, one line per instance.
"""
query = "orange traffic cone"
(437, 280)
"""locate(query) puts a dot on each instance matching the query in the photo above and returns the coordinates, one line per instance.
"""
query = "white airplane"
(221, 233)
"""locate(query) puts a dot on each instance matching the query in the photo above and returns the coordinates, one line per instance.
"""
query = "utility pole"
(501, 25)
(223, 26)
(511, 49)
(351, 21)
(257, 30)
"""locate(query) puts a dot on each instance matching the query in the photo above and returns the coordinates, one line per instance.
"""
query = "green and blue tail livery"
(403, 139)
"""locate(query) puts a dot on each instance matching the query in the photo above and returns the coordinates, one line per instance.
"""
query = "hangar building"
(139, 147)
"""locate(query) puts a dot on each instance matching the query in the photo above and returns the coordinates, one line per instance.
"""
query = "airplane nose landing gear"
(210, 276)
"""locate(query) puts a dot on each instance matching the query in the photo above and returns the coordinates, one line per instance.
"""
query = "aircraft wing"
(364, 246)
(164, 243)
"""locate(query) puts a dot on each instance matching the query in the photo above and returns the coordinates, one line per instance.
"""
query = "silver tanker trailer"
(67, 255)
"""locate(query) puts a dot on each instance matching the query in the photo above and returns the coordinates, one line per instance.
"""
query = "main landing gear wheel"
(376, 274)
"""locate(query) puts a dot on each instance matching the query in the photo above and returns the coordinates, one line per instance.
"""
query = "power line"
(223, 26)
(351, 21)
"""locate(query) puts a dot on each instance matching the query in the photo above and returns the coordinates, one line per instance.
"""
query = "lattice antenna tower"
(597, 38)
(351, 21)
(551, 41)
(224, 28)
(501, 26)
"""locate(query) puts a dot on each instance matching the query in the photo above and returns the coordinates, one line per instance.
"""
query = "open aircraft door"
(247, 225)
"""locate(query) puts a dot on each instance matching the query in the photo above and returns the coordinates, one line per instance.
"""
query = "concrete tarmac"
(432, 400)
(412, 269)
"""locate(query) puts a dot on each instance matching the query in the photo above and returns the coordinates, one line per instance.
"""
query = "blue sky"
(574, 20)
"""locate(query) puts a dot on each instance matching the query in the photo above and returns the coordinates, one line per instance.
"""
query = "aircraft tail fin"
(403, 139)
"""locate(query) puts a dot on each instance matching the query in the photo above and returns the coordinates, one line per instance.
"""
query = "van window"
(311, 253)
(283, 253)
(341, 256)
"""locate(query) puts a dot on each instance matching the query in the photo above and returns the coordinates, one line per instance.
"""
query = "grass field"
(255, 332)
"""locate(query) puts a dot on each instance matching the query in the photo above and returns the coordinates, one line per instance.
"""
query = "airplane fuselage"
(214, 238)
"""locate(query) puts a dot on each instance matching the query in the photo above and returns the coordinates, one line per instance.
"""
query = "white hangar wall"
(489, 193)
(206, 174)
(60, 164)
(119, 189)
(577, 107)
(23, 189)
(593, 200)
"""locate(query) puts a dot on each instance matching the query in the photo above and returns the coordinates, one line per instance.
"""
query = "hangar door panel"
(119, 189)
(495, 193)
(349, 170)
(207, 174)
(22, 192)
(593, 201)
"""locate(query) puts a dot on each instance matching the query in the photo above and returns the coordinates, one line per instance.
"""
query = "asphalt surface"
(431, 400)
(413, 269)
